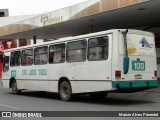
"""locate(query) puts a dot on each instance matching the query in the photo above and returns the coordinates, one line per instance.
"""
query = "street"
(148, 100)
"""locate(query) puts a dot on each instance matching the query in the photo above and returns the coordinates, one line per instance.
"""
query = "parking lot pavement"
(156, 90)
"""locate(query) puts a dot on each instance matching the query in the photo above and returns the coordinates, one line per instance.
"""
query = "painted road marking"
(9, 106)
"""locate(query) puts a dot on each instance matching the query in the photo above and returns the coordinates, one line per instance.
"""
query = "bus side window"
(98, 48)
(27, 57)
(6, 64)
(15, 58)
(41, 55)
(57, 53)
(76, 51)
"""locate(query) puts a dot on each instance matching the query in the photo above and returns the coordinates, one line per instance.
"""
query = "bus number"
(138, 65)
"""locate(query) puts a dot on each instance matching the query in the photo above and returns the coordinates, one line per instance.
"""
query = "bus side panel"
(58, 71)
(32, 78)
(115, 59)
(95, 76)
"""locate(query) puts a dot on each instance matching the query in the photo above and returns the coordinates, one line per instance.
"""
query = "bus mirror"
(125, 65)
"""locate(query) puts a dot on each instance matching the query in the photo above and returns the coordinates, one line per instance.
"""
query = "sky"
(29, 7)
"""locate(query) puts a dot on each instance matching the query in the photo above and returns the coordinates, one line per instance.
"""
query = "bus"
(118, 60)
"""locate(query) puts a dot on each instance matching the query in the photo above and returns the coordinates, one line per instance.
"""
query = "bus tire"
(14, 88)
(65, 91)
(100, 95)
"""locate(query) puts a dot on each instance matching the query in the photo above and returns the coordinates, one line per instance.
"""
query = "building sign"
(1, 48)
(46, 20)
(8, 44)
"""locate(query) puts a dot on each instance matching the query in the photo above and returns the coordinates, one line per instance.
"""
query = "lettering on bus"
(138, 65)
(32, 72)
(24, 72)
(42, 71)
(13, 73)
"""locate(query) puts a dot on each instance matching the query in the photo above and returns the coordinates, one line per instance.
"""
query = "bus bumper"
(134, 84)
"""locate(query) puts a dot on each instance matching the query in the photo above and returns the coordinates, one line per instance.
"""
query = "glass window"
(76, 51)
(27, 57)
(98, 48)
(15, 58)
(5, 63)
(57, 53)
(158, 60)
(41, 55)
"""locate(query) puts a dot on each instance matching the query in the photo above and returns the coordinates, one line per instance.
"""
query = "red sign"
(1, 48)
(9, 45)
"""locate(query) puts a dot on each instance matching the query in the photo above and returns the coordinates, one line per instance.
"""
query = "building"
(4, 13)
(5, 19)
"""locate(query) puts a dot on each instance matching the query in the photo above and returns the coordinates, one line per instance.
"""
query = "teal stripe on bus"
(135, 84)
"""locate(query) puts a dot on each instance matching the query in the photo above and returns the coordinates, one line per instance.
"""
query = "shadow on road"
(119, 100)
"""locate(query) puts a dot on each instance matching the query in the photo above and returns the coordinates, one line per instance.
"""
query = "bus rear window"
(137, 44)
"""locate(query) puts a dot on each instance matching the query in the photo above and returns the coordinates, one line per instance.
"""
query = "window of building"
(57, 53)
(41, 55)
(158, 60)
(27, 57)
(98, 48)
(76, 51)
(15, 58)
(6, 64)
(2, 14)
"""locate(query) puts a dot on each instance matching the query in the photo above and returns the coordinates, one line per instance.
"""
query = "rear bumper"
(134, 84)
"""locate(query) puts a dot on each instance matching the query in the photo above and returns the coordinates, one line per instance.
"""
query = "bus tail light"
(118, 73)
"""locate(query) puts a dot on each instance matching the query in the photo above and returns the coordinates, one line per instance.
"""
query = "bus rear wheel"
(65, 91)
(14, 88)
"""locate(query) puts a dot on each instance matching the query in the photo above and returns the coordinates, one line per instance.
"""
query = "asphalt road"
(34, 101)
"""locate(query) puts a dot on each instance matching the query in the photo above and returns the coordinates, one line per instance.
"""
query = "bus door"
(5, 73)
(140, 69)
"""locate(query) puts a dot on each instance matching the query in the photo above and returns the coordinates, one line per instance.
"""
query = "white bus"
(109, 61)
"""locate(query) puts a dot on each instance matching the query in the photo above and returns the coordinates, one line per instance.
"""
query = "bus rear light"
(118, 73)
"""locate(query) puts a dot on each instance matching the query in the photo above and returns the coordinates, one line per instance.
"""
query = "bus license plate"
(138, 76)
